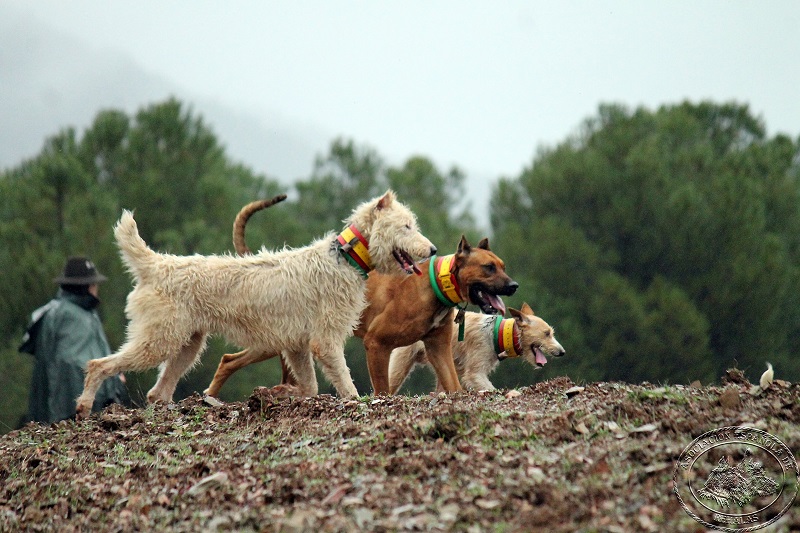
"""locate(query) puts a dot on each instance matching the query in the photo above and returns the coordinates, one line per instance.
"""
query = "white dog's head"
(395, 242)
(536, 337)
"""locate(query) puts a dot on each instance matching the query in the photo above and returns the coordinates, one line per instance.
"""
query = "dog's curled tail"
(244, 215)
(135, 252)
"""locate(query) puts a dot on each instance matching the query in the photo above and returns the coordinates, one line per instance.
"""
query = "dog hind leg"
(232, 362)
(301, 366)
(175, 367)
(401, 362)
(136, 356)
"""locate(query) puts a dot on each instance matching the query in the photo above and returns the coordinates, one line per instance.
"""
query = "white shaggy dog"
(488, 339)
(300, 302)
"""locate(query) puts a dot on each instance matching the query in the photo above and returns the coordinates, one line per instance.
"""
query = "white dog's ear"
(526, 309)
(386, 200)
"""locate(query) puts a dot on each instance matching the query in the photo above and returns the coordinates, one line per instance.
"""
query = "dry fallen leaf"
(729, 399)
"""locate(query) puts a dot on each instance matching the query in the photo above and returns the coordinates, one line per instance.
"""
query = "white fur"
(296, 302)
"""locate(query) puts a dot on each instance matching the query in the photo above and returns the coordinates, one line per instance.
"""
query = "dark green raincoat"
(63, 335)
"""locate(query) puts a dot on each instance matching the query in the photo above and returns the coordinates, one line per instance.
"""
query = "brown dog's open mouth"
(406, 262)
(490, 303)
(538, 356)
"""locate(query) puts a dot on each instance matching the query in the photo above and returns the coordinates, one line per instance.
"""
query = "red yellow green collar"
(506, 337)
(355, 248)
(443, 280)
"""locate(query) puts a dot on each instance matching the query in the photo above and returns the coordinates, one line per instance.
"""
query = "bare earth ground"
(536, 459)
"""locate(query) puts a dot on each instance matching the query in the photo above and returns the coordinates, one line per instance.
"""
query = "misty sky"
(477, 84)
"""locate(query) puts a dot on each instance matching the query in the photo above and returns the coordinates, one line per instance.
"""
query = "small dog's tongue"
(539, 357)
(497, 303)
(415, 266)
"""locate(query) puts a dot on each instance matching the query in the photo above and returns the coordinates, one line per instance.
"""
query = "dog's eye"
(408, 227)
(548, 333)
(490, 268)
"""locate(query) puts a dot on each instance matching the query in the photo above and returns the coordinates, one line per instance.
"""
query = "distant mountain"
(50, 80)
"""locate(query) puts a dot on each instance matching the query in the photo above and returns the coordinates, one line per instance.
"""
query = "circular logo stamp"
(736, 479)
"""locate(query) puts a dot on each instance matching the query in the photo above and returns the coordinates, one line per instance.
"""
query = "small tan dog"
(300, 302)
(487, 341)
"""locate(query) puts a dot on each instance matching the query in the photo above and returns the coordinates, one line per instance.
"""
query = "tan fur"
(402, 310)
(475, 357)
(291, 302)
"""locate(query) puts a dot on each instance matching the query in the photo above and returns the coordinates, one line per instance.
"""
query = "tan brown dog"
(487, 341)
(403, 310)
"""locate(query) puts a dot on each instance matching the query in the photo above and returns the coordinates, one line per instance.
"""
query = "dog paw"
(82, 412)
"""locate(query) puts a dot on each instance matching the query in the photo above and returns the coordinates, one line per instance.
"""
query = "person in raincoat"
(63, 336)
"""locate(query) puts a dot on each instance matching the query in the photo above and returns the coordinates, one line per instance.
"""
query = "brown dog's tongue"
(539, 357)
(497, 303)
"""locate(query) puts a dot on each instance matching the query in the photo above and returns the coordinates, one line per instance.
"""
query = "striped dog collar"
(506, 337)
(355, 248)
(443, 281)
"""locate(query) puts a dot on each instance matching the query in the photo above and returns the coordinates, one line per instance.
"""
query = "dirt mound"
(552, 457)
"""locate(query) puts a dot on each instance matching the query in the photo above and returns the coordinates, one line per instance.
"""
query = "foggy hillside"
(49, 80)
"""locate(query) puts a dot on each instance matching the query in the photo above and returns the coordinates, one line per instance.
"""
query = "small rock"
(213, 402)
(363, 518)
(487, 504)
(645, 428)
(572, 391)
(207, 483)
(581, 428)
(696, 384)
(513, 394)
(535, 474)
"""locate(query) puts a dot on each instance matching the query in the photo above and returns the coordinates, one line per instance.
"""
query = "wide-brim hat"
(79, 271)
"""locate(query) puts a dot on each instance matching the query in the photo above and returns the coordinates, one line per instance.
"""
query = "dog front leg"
(334, 366)
(439, 351)
(378, 356)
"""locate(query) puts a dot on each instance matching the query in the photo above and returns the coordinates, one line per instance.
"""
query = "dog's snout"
(512, 287)
(433, 250)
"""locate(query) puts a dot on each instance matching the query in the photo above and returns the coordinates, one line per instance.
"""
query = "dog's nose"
(512, 287)
(433, 250)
